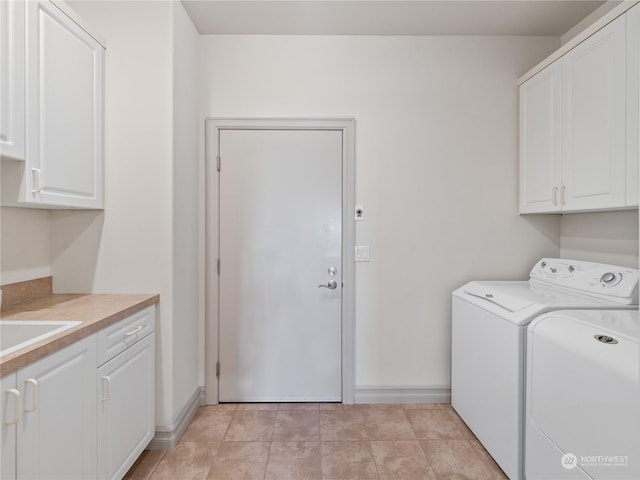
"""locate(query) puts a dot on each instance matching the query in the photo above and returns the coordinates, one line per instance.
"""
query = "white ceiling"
(388, 17)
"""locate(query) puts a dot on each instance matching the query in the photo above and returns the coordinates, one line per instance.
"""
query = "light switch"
(362, 253)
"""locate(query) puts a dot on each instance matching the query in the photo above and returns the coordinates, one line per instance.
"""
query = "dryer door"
(582, 400)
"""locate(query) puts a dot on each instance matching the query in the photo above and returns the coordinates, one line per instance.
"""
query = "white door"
(593, 121)
(280, 239)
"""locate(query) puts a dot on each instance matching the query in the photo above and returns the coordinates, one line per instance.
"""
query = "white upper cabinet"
(540, 147)
(633, 104)
(579, 125)
(593, 122)
(63, 157)
(64, 122)
(12, 80)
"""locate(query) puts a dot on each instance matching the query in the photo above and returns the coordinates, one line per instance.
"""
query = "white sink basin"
(18, 334)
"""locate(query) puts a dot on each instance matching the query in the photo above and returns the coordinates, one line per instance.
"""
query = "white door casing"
(236, 242)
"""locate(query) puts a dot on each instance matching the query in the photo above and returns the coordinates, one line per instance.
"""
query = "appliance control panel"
(610, 282)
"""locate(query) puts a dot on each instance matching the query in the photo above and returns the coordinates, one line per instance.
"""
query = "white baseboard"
(168, 437)
(403, 394)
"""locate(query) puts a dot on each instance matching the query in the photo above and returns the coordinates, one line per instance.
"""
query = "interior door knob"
(331, 285)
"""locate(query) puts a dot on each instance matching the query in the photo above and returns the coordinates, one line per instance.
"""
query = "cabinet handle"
(554, 195)
(108, 389)
(37, 180)
(16, 407)
(134, 331)
(564, 190)
(36, 395)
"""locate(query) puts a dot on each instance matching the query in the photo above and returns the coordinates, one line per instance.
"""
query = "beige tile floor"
(322, 441)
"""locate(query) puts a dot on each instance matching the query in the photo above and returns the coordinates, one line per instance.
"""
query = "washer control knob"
(608, 278)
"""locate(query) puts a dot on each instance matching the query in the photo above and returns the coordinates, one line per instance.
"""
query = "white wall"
(128, 248)
(25, 244)
(607, 237)
(186, 244)
(436, 168)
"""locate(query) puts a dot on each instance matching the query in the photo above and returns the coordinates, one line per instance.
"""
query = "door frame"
(213, 126)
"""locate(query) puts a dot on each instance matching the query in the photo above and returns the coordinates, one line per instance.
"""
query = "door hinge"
(217, 369)
(218, 266)
(219, 162)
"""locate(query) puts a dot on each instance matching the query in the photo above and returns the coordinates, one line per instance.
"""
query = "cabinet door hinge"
(219, 160)
(218, 369)
(218, 266)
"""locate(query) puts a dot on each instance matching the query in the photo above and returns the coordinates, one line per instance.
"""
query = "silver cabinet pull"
(554, 195)
(562, 195)
(331, 285)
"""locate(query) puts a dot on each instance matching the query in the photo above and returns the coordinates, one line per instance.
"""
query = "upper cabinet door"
(12, 80)
(633, 104)
(64, 105)
(540, 141)
(593, 121)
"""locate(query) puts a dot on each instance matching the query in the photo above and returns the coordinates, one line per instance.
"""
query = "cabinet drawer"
(120, 336)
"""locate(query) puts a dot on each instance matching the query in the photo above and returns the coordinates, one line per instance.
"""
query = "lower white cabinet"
(126, 422)
(10, 408)
(64, 420)
(57, 431)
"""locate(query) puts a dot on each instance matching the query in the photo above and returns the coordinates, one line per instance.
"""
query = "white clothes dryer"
(489, 322)
(583, 396)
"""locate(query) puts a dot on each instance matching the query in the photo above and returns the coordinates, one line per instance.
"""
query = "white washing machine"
(583, 396)
(489, 322)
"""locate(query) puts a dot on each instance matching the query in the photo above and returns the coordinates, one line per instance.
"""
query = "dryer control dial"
(609, 279)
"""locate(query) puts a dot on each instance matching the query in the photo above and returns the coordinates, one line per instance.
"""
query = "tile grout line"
(228, 425)
(156, 466)
(273, 430)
